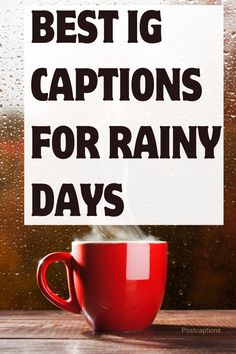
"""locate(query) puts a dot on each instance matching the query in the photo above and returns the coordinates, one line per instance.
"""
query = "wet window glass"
(201, 270)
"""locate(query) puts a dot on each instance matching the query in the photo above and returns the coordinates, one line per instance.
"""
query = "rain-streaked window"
(201, 270)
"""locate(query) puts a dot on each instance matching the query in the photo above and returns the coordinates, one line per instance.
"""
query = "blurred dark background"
(202, 268)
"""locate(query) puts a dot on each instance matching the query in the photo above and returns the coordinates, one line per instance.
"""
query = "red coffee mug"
(116, 285)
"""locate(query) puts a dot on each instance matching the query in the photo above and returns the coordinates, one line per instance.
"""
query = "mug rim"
(80, 242)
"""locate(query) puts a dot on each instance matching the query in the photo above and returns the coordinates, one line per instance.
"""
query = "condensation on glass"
(201, 272)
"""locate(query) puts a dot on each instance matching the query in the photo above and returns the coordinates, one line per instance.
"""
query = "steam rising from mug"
(117, 233)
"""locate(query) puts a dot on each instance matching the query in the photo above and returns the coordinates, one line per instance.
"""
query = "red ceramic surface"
(117, 286)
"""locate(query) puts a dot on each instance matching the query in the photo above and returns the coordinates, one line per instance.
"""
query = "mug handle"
(71, 304)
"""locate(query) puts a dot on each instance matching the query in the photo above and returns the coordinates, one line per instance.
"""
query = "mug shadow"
(171, 337)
